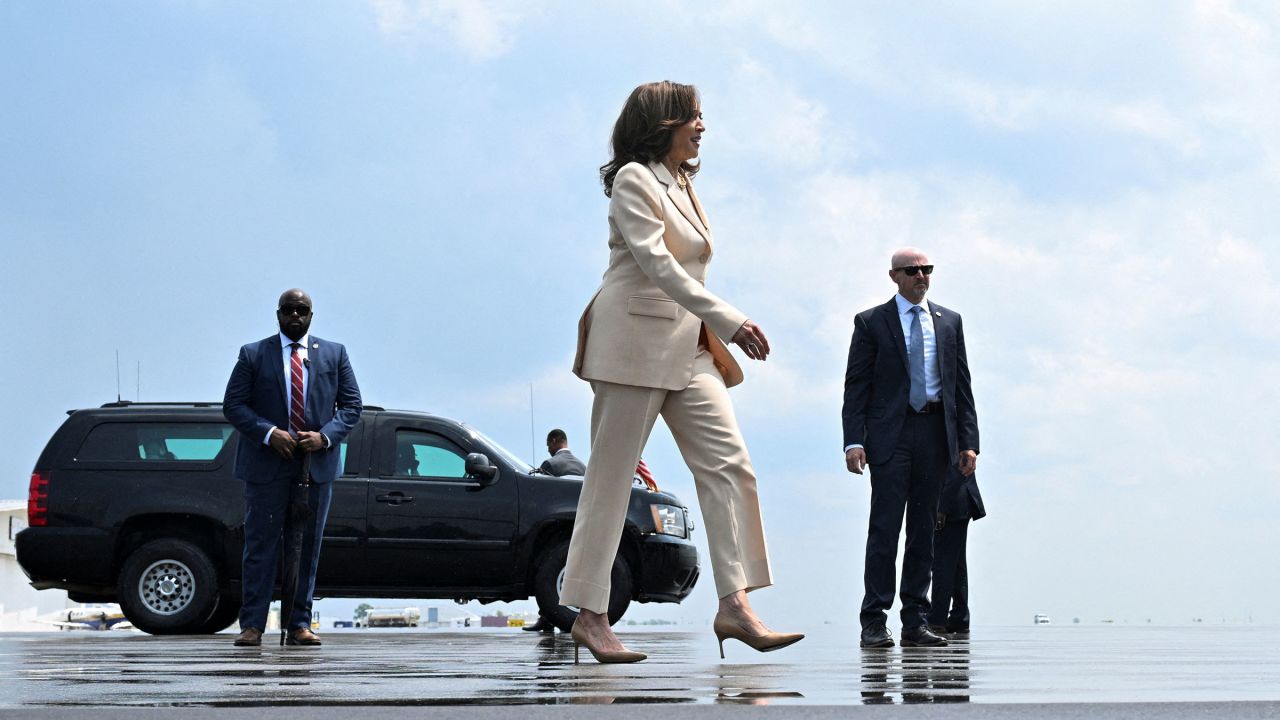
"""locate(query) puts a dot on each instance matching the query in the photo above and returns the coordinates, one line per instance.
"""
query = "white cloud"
(482, 29)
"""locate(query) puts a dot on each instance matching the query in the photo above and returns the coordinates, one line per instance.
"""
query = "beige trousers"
(702, 422)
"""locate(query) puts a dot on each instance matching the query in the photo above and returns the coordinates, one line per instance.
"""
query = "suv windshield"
(506, 454)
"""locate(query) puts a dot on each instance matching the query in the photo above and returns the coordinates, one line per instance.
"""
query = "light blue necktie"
(916, 359)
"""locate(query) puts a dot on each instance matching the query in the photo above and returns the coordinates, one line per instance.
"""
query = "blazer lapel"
(313, 374)
(941, 332)
(697, 206)
(275, 368)
(680, 199)
(894, 325)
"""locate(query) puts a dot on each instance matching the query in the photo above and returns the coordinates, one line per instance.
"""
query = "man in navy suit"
(909, 415)
(949, 600)
(289, 394)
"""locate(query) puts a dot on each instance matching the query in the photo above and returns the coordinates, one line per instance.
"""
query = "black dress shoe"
(543, 625)
(876, 636)
(921, 637)
(957, 630)
(938, 629)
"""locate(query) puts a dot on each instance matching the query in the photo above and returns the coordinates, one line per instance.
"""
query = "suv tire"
(226, 612)
(549, 576)
(168, 587)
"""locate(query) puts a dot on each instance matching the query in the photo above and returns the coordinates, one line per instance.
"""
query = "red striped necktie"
(297, 404)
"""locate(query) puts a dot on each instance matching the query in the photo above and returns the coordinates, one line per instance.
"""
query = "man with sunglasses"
(290, 394)
(909, 415)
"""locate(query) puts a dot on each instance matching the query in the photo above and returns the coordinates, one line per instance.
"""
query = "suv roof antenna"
(533, 457)
(117, 374)
(137, 391)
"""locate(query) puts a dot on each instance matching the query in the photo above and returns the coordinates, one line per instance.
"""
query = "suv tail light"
(38, 500)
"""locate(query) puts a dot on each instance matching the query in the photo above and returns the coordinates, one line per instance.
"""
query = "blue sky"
(1096, 184)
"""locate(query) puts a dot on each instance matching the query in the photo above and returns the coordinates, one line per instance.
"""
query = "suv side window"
(424, 454)
(154, 442)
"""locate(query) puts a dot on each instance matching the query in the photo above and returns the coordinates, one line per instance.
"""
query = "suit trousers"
(705, 429)
(266, 506)
(950, 597)
(909, 480)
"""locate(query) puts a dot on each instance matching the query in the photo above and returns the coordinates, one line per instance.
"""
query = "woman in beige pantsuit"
(650, 343)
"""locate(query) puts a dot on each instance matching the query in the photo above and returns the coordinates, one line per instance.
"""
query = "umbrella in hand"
(297, 517)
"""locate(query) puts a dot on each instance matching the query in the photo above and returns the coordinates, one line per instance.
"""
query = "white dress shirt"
(286, 356)
(932, 377)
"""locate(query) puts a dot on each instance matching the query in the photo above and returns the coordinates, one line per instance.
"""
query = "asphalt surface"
(1069, 671)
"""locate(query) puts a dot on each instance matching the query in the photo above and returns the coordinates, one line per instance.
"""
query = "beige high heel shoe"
(602, 656)
(726, 627)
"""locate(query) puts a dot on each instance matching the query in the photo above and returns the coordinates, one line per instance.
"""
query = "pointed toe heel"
(727, 628)
(602, 656)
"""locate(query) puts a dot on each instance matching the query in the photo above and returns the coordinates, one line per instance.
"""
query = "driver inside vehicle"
(406, 460)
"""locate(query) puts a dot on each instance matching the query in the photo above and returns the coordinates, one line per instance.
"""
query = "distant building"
(21, 604)
(451, 616)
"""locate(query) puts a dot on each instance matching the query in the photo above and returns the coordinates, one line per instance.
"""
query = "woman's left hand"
(752, 341)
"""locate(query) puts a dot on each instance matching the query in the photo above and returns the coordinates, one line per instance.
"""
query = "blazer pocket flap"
(653, 307)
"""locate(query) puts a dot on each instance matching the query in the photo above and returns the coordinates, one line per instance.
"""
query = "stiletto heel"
(726, 627)
(602, 656)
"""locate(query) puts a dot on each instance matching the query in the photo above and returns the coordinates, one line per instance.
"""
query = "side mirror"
(479, 467)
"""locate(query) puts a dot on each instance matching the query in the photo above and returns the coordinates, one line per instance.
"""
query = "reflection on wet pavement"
(1022, 664)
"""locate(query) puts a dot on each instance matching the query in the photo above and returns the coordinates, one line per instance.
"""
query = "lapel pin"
(935, 312)
(315, 346)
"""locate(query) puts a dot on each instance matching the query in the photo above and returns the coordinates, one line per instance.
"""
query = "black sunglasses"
(911, 270)
(301, 310)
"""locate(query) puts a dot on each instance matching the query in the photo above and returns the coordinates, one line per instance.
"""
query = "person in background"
(949, 601)
(290, 394)
(562, 462)
(909, 414)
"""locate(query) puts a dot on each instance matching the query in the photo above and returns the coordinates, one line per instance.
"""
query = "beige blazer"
(643, 325)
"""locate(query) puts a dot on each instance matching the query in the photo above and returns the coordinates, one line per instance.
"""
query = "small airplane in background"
(88, 617)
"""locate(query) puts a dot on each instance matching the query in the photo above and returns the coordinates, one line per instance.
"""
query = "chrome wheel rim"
(166, 587)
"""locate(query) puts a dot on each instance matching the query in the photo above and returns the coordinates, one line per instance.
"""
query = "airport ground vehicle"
(136, 503)
(391, 617)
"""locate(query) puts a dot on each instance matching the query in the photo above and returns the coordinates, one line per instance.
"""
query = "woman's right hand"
(752, 341)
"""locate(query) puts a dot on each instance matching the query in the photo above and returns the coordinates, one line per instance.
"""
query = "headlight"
(668, 520)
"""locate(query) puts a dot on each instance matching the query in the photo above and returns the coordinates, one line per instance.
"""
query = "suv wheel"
(226, 612)
(168, 587)
(549, 578)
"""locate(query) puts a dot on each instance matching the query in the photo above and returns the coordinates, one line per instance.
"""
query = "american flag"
(642, 472)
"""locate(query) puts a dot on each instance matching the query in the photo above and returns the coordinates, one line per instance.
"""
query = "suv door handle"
(394, 498)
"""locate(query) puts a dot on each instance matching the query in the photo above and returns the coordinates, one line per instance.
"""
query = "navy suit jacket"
(877, 382)
(255, 402)
(960, 497)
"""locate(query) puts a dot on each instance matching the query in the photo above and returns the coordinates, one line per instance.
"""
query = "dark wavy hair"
(643, 130)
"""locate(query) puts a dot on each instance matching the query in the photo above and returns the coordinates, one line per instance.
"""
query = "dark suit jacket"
(255, 401)
(877, 382)
(563, 463)
(960, 497)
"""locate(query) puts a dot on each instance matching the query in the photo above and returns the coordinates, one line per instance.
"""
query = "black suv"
(137, 503)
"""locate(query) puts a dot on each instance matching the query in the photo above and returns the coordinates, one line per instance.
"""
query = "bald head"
(294, 295)
(908, 269)
(294, 313)
(902, 257)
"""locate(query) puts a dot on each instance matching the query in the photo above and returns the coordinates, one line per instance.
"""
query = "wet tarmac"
(1020, 665)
